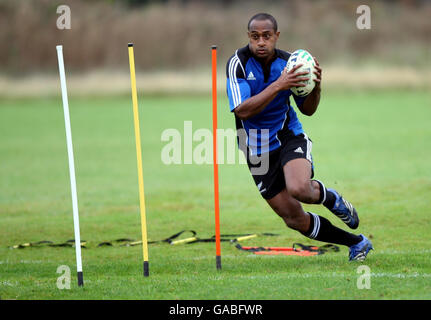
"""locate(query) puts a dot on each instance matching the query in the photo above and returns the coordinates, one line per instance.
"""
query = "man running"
(259, 96)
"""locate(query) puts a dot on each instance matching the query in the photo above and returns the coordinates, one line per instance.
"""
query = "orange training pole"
(215, 162)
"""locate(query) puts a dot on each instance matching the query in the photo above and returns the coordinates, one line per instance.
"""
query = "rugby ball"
(306, 59)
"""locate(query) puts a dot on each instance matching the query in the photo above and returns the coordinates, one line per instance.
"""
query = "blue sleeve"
(238, 91)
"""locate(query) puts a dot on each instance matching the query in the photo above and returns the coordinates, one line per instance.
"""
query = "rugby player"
(258, 88)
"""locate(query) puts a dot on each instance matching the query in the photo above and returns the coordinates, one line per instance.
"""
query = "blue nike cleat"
(360, 250)
(344, 210)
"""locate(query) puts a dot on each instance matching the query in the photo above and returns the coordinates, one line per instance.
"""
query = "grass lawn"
(371, 146)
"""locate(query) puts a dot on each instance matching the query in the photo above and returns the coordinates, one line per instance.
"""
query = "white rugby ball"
(303, 57)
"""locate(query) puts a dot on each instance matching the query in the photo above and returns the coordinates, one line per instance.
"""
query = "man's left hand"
(318, 72)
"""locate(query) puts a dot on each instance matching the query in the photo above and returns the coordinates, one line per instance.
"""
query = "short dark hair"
(263, 16)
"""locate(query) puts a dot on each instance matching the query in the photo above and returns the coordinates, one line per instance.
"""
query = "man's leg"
(309, 224)
(297, 175)
(290, 210)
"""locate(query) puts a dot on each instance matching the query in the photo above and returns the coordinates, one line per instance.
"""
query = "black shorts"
(271, 181)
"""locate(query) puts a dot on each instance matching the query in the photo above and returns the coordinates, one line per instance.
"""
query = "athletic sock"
(323, 230)
(327, 198)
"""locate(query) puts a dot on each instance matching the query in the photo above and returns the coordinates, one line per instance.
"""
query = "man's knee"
(301, 191)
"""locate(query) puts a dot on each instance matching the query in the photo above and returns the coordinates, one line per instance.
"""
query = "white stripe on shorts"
(309, 147)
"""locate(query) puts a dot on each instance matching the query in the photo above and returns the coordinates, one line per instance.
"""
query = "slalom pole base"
(80, 279)
(218, 262)
(146, 269)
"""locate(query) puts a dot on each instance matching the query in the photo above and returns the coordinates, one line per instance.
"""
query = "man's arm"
(310, 104)
(257, 103)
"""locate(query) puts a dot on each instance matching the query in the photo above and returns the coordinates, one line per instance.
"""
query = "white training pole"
(71, 164)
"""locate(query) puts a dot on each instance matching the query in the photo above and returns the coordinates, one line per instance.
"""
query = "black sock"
(327, 198)
(323, 230)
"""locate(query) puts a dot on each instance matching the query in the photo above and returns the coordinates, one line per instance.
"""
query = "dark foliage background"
(171, 35)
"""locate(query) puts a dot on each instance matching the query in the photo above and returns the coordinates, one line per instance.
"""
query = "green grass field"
(371, 146)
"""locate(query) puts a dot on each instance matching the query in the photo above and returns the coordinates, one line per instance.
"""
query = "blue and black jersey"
(247, 77)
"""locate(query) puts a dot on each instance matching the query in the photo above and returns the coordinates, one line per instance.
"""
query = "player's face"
(263, 38)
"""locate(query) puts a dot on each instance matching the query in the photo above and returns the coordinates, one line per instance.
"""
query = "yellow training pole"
(139, 158)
